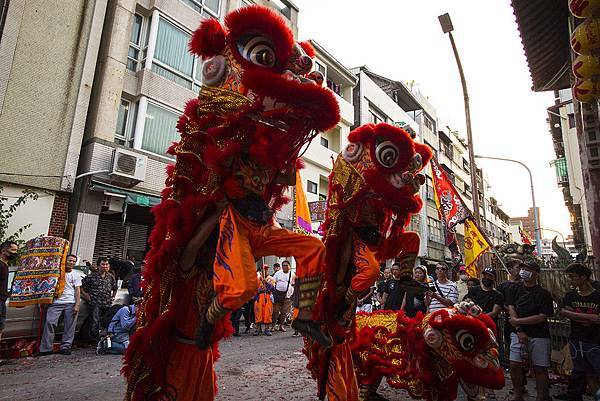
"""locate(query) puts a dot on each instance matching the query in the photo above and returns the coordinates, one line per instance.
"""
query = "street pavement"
(250, 368)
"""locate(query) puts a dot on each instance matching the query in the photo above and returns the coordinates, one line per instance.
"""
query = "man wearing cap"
(529, 307)
(489, 299)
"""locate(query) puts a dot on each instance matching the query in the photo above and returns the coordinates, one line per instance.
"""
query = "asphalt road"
(251, 368)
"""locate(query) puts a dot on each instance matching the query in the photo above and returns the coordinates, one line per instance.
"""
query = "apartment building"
(380, 99)
(569, 175)
(48, 55)
(324, 149)
(144, 76)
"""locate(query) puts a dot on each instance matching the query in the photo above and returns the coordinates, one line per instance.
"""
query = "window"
(172, 59)
(466, 166)
(571, 120)
(208, 8)
(429, 123)
(245, 3)
(126, 123)
(135, 42)
(446, 148)
(435, 230)
(376, 116)
(434, 150)
(159, 129)
(311, 187)
(321, 68)
(467, 189)
(325, 142)
(430, 192)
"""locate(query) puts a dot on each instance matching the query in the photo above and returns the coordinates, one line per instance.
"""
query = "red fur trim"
(400, 200)
(308, 48)
(209, 39)
(268, 23)
(300, 164)
(425, 152)
(318, 103)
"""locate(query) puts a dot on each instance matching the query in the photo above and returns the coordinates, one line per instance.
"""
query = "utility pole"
(447, 27)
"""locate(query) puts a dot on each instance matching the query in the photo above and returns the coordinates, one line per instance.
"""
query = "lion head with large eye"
(465, 337)
(389, 161)
(254, 54)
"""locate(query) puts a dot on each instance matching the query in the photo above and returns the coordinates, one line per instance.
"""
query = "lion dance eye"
(387, 154)
(466, 340)
(352, 152)
(258, 50)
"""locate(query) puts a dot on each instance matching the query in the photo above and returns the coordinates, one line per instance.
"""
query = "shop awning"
(544, 29)
(131, 197)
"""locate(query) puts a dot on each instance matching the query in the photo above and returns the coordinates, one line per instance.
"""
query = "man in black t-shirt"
(529, 307)
(387, 276)
(486, 296)
(582, 307)
(393, 295)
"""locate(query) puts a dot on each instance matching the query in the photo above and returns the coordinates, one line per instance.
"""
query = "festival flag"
(524, 237)
(475, 246)
(302, 222)
(449, 204)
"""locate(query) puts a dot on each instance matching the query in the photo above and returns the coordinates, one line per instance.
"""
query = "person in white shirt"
(68, 303)
(445, 293)
(284, 288)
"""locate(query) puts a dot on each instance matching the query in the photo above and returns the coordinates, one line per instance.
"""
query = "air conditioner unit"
(113, 203)
(129, 165)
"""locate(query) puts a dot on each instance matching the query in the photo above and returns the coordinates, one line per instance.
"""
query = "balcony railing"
(562, 174)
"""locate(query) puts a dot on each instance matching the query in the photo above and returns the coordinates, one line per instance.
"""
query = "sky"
(403, 40)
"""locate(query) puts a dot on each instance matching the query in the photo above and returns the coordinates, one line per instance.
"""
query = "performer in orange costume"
(263, 306)
(247, 233)
(259, 104)
(373, 190)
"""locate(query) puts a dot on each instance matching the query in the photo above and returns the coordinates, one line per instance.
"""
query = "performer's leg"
(367, 270)
(410, 242)
(309, 253)
(234, 278)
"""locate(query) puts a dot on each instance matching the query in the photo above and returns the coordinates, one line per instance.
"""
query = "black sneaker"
(236, 334)
(312, 330)
(65, 351)
(43, 353)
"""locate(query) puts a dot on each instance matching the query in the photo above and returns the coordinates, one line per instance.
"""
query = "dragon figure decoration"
(373, 190)
(260, 103)
(429, 356)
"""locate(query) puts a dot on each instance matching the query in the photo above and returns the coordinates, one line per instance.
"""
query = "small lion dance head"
(429, 356)
(389, 161)
(465, 337)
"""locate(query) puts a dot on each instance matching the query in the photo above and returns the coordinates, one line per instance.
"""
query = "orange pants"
(241, 242)
(367, 267)
(263, 309)
(342, 384)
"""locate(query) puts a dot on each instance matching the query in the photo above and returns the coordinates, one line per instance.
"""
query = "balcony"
(562, 174)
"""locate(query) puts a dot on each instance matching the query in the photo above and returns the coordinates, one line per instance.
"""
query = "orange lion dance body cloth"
(258, 106)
